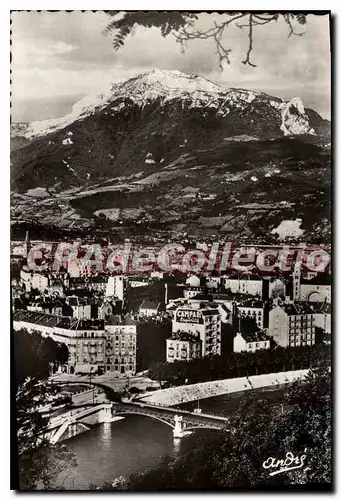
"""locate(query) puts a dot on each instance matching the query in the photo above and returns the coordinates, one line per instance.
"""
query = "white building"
(182, 346)
(203, 322)
(80, 308)
(292, 324)
(117, 287)
(251, 285)
(87, 351)
(253, 309)
(250, 342)
(63, 329)
(92, 347)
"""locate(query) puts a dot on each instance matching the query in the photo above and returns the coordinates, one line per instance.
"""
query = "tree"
(234, 459)
(231, 364)
(33, 354)
(181, 25)
(39, 461)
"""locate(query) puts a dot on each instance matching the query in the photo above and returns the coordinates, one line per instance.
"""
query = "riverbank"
(187, 393)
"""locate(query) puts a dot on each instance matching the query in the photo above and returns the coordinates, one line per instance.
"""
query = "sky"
(58, 57)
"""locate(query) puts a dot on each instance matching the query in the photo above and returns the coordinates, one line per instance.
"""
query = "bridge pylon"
(179, 430)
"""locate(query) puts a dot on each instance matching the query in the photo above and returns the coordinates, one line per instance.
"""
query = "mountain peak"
(189, 91)
(175, 79)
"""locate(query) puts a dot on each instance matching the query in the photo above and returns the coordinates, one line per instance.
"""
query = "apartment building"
(292, 324)
(182, 346)
(202, 321)
(253, 309)
(121, 346)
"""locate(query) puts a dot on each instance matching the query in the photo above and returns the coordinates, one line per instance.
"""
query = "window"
(250, 346)
(257, 344)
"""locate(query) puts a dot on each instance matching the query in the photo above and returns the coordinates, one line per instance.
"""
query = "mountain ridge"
(168, 85)
(149, 160)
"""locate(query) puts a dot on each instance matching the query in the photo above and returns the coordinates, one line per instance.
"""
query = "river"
(137, 443)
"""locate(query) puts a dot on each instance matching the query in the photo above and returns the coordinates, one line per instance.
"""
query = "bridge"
(181, 421)
(78, 419)
(82, 417)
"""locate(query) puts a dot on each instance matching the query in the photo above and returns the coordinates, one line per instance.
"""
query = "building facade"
(117, 287)
(121, 348)
(202, 321)
(292, 324)
(182, 346)
(253, 309)
(246, 285)
(250, 342)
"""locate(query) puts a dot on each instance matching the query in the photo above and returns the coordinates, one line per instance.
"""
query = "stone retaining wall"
(184, 394)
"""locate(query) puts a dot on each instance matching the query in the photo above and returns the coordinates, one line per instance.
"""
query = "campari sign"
(188, 316)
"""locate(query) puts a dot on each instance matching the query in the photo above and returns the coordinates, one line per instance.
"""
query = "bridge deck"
(164, 414)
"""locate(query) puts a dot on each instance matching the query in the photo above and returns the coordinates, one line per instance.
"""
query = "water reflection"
(137, 443)
(106, 434)
(177, 446)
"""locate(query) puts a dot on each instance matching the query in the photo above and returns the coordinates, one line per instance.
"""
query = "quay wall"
(186, 393)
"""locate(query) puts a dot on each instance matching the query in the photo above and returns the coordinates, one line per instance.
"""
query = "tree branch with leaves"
(181, 25)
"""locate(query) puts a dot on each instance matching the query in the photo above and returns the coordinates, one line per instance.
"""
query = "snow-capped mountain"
(141, 125)
(166, 86)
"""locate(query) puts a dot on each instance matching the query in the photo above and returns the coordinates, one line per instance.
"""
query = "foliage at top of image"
(181, 25)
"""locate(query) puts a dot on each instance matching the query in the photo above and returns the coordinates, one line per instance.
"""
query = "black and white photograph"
(170, 251)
